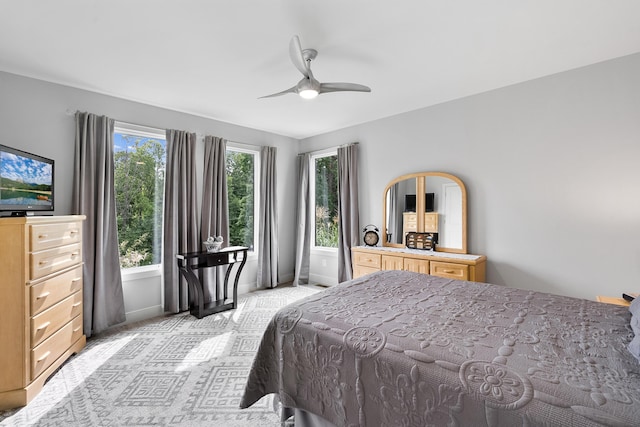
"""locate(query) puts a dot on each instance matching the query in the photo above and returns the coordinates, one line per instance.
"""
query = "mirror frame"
(420, 178)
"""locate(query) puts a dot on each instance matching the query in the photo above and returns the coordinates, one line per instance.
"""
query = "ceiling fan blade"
(343, 87)
(284, 92)
(295, 52)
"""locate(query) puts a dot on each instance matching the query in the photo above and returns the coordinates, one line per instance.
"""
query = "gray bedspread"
(396, 348)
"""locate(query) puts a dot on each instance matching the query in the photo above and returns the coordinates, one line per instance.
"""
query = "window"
(243, 166)
(324, 188)
(139, 163)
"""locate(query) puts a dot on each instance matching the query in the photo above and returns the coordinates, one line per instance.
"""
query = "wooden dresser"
(454, 266)
(40, 301)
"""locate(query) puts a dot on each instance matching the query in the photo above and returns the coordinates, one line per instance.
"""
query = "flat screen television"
(410, 202)
(26, 182)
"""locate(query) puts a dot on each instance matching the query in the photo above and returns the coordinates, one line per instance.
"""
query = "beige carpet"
(169, 371)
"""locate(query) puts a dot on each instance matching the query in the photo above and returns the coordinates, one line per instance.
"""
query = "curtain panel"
(94, 197)
(303, 221)
(268, 221)
(180, 215)
(348, 209)
(392, 215)
(215, 211)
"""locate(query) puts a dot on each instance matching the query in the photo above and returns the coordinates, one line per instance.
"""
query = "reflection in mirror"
(447, 197)
(399, 200)
(442, 199)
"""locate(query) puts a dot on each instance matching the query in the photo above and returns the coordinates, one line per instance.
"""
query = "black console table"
(191, 261)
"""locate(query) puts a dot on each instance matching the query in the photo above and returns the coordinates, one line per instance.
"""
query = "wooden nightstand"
(613, 300)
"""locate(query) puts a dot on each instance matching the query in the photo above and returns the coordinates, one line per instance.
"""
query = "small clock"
(371, 236)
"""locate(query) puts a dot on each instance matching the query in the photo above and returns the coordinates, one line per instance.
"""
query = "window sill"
(136, 273)
(319, 250)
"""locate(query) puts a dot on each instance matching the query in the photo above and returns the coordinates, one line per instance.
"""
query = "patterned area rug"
(169, 371)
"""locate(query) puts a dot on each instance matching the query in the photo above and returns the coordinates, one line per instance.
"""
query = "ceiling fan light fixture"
(308, 93)
(309, 87)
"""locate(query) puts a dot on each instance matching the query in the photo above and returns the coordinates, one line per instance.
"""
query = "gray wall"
(552, 169)
(550, 165)
(35, 117)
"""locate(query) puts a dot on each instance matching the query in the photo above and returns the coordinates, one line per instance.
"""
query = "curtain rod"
(72, 113)
(329, 148)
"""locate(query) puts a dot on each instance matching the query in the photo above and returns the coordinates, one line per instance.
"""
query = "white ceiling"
(215, 58)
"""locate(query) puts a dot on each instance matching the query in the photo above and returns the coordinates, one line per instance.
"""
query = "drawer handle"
(43, 262)
(44, 356)
(448, 271)
(43, 295)
(76, 304)
(74, 254)
(45, 325)
(72, 232)
(42, 236)
(77, 329)
(76, 280)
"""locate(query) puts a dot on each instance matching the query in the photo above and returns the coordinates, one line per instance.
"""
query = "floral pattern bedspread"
(396, 348)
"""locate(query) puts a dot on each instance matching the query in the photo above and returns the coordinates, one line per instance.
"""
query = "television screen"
(429, 202)
(410, 202)
(26, 181)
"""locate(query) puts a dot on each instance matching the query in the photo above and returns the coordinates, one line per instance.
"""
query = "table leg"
(194, 285)
(235, 282)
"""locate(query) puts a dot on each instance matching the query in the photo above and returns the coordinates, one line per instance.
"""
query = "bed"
(396, 348)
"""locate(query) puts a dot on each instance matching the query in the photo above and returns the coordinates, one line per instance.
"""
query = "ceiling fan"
(309, 87)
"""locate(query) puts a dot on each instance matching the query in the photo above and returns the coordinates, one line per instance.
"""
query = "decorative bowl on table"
(213, 244)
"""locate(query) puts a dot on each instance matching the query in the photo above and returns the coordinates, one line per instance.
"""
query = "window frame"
(255, 151)
(329, 152)
(150, 270)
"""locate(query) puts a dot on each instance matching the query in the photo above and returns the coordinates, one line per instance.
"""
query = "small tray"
(425, 241)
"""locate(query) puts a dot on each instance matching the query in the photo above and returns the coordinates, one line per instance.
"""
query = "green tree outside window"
(240, 189)
(139, 189)
(326, 194)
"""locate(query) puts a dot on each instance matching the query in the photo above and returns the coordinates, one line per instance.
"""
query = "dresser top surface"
(37, 219)
(420, 252)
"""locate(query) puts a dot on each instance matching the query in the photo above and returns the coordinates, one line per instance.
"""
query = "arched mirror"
(433, 202)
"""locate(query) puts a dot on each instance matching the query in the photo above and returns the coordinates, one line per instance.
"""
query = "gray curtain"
(348, 210)
(303, 222)
(268, 221)
(94, 196)
(215, 210)
(392, 214)
(180, 223)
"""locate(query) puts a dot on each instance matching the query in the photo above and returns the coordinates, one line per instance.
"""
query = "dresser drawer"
(431, 222)
(47, 293)
(390, 262)
(46, 353)
(46, 323)
(416, 265)
(46, 236)
(410, 222)
(52, 260)
(359, 271)
(450, 270)
(367, 260)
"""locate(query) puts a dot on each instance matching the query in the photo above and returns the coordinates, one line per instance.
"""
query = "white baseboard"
(286, 278)
(143, 314)
(244, 288)
(319, 279)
